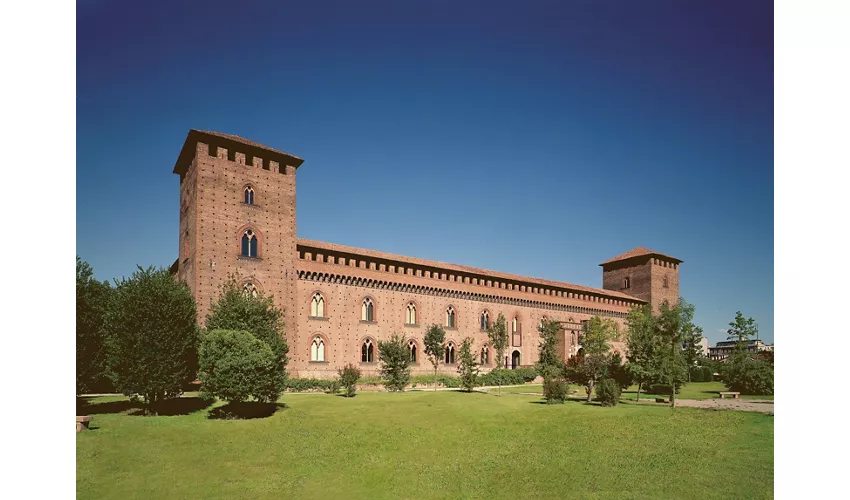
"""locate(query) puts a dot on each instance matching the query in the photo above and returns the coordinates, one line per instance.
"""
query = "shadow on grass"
(172, 407)
(344, 396)
(244, 411)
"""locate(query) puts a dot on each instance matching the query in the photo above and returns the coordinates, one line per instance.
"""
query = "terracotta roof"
(250, 147)
(639, 252)
(464, 269)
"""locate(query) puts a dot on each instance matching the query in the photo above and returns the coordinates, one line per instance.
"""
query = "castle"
(237, 218)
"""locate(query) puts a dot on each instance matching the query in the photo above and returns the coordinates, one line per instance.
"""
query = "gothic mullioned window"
(450, 354)
(249, 244)
(450, 317)
(317, 349)
(410, 318)
(249, 289)
(367, 352)
(485, 355)
(367, 310)
(627, 283)
(317, 306)
(249, 195)
(485, 320)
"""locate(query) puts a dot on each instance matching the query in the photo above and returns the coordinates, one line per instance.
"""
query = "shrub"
(448, 381)
(348, 377)
(153, 338)
(555, 388)
(500, 376)
(307, 384)
(608, 392)
(746, 375)
(395, 362)
(236, 366)
(619, 372)
(528, 374)
(333, 387)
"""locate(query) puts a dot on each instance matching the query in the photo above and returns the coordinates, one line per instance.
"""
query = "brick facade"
(214, 170)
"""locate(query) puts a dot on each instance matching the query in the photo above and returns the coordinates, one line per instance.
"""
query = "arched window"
(249, 290)
(543, 321)
(367, 311)
(514, 325)
(627, 283)
(666, 284)
(249, 195)
(367, 352)
(411, 344)
(317, 306)
(485, 355)
(317, 349)
(450, 317)
(249, 244)
(485, 320)
(410, 318)
(450, 354)
(516, 332)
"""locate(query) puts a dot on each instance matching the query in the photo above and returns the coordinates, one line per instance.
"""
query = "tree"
(743, 373)
(594, 341)
(237, 310)
(153, 337)
(467, 368)
(497, 333)
(235, 366)
(643, 346)
(742, 329)
(691, 345)
(671, 325)
(92, 305)
(348, 377)
(549, 364)
(395, 362)
(435, 346)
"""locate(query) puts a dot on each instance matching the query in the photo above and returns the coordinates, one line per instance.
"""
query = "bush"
(348, 377)
(555, 388)
(333, 387)
(528, 374)
(307, 384)
(153, 337)
(746, 375)
(236, 366)
(395, 363)
(619, 372)
(608, 392)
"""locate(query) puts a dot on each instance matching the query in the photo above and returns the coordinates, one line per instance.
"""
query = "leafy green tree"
(236, 310)
(468, 368)
(153, 337)
(497, 333)
(743, 373)
(236, 366)
(395, 362)
(435, 346)
(594, 341)
(608, 392)
(671, 324)
(549, 364)
(92, 305)
(692, 346)
(742, 329)
(643, 346)
(348, 377)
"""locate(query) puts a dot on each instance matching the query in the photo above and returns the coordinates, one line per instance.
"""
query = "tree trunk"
(435, 378)
(589, 390)
(672, 382)
(638, 394)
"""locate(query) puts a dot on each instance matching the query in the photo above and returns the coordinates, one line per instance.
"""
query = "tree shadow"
(171, 407)
(86, 407)
(344, 396)
(178, 406)
(245, 411)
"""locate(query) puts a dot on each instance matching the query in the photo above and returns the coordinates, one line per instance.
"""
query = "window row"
(368, 350)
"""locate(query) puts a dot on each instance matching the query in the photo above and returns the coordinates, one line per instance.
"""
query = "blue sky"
(535, 139)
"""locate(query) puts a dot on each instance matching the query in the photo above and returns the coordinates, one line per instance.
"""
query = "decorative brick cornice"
(356, 281)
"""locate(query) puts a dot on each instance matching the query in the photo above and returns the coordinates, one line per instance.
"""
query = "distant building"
(704, 344)
(725, 348)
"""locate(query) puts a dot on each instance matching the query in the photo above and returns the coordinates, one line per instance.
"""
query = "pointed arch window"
(250, 290)
(317, 349)
(450, 317)
(485, 355)
(666, 283)
(516, 332)
(249, 244)
(411, 345)
(627, 282)
(367, 352)
(367, 310)
(410, 316)
(450, 354)
(485, 320)
(249, 195)
(317, 306)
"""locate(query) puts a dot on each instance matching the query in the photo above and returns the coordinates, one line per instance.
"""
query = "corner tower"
(237, 217)
(645, 274)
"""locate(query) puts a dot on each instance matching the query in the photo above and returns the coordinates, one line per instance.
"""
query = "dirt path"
(760, 405)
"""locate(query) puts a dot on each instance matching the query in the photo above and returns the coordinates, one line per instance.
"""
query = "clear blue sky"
(538, 138)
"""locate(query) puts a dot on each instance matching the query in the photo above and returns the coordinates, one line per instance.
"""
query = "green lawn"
(694, 390)
(427, 445)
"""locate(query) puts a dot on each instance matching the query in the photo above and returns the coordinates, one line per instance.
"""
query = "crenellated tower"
(645, 274)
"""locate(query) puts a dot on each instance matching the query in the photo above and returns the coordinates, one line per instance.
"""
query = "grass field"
(694, 390)
(426, 445)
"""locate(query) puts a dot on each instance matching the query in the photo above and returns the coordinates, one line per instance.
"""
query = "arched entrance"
(515, 358)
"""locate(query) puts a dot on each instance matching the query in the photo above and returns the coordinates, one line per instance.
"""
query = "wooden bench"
(83, 423)
(661, 400)
(733, 394)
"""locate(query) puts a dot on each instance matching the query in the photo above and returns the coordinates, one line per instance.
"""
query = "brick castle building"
(237, 218)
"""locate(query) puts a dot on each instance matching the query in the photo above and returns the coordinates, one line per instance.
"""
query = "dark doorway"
(515, 360)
